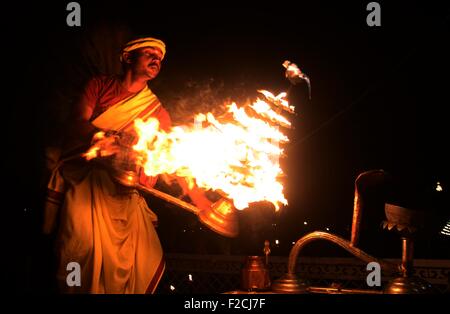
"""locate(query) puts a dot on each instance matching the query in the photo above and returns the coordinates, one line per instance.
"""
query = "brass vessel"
(221, 217)
(405, 222)
(255, 275)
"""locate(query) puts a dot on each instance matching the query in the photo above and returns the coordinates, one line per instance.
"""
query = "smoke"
(193, 97)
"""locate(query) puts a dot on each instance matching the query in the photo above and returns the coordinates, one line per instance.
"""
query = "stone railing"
(186, 274)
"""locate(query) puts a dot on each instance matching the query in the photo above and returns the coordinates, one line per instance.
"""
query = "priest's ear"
(127, 58)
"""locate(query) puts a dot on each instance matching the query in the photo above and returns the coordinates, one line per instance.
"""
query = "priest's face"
(146, 62)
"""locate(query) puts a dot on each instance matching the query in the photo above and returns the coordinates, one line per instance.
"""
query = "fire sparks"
(236, 155)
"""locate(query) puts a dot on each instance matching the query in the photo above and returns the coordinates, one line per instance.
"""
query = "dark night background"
(379, 98)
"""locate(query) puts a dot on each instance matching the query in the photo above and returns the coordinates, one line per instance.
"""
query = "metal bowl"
(126, 177)
(403, 216)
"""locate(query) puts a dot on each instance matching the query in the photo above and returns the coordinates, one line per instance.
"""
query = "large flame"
(237, 156)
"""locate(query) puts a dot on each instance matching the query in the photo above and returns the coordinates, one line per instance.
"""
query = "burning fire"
(104, 145)
(236, 155)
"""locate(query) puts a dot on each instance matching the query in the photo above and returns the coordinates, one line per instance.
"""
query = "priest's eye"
(151, 56)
